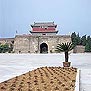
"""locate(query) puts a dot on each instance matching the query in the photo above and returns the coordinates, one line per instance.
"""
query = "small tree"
(65, 47)
(4, 48)
(76, 40)
(87, 47)
(83, 40)
(88, 44)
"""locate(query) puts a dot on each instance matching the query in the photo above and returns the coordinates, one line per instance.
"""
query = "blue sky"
(69, 15)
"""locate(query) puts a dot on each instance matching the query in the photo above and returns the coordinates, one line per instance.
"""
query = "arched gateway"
(43, 48)
(43, 39)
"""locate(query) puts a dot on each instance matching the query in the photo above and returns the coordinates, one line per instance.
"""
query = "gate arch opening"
(43, 48)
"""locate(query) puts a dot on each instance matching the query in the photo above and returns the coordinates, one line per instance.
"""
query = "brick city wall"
(25, 44)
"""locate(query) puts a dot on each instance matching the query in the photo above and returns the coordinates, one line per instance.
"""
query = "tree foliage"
(5, 48)
(84, 40)
(65, 47)
(88, 44)
(76, 40)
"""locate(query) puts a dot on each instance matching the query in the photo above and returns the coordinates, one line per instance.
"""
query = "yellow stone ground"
(43, 79)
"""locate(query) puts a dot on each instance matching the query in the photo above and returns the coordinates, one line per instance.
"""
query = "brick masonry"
(31, 44)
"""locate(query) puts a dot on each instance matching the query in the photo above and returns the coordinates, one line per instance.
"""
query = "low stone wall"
(79, 49)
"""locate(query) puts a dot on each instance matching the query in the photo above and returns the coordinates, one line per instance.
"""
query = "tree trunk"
(66, 56)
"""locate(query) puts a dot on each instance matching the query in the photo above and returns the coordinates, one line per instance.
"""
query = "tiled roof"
(43, 79)
(43, 31)
(44, 24)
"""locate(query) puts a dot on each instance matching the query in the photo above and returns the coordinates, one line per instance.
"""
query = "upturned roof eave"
(43, 31)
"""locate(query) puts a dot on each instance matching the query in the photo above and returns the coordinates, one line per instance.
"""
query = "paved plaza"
(12, 65)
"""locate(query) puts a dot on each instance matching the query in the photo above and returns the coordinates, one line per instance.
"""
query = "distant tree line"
(84, 40)
(6, 48)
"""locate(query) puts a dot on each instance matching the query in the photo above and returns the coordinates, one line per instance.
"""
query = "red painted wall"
(43, 29)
